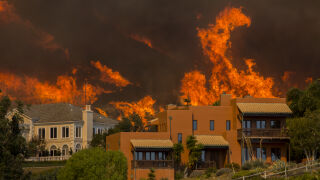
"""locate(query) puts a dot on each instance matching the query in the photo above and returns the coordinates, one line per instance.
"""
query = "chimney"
(225, 99)
(87, 117)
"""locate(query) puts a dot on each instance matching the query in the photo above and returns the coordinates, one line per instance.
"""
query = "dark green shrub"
(209, 171)
(151, 175)
(178, 175)
(46, 175)
(95, 163)
(236, 166)
(223, 171)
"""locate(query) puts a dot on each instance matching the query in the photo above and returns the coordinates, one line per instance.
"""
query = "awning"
(212, 140)
(151, 143)
(264, 109)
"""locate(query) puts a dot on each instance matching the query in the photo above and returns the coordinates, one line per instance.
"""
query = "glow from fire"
(142, 39)
(102, 112)
(142, 108)
(109, 76)
(215, 41)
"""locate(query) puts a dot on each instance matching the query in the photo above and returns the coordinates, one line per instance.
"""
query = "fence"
(291, 170)
(48, 158)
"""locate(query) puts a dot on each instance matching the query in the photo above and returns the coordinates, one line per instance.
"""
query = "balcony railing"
(259, 133)
(152, 163)
(206, 165)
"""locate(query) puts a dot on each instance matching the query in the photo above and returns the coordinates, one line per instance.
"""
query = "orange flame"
(143, 107)
(110, 76)
(286, 76)
(215, 41)
(31, 90)
(102, 112)
(142, 39)
(309, 80)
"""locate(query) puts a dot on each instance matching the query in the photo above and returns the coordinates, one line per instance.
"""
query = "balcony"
(263, 133)
(206, 165)
(151, 164)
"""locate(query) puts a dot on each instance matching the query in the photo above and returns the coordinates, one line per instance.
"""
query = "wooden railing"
(206, 165)
(253, 132)
(152, 163)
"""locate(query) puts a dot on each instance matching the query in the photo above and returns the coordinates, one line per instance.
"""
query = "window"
(275, 124)
(53, 132)
(99, 131)
(275, 154)
(245, 154)
(94, 131)
(78, 147)
(160, 157)
(262, 154)
(203, 156)
(211, 125)
(194, 124)
(179, 138)
(228, 125)
(147, 155)
(153, 156)
(261, 125)
(65, 132)
(140, 156)
(246, 124)
(42, 133)
(78, 131)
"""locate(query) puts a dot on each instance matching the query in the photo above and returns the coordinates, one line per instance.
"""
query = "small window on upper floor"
(228, 125)
(78, 132)
(211, 125)
(65, 132)
(53, 132)
(179, 137)
(42, 133)
(194, 124)
(275, 124)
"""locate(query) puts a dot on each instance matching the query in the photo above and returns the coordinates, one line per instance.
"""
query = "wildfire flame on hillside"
(110, 76)
(143, 107)
(215, 41)
(102, 112)
(142, 39)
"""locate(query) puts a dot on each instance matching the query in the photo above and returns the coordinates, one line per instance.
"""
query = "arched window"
(65, 150)
(53, 150)
(78, 147)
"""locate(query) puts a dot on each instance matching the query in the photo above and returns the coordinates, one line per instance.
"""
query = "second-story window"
(211, 125)
(275, 124)
(228, 125)
(53, 132)
(260, 124)
(194, 124)
(78, 131)
(246, 124)
(42, 133)
(94, 131)
(65, 131)
(179, 137)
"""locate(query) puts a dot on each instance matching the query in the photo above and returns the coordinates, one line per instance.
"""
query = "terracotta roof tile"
(151, 143)
(212, 140)
(264, 108)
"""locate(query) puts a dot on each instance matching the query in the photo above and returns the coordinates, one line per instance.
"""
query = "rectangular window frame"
(42, 133)
(211, 125)
(65, 132)
(260, 124)
(194, 125)
(228, 125)
(53, 132)
(78, 132)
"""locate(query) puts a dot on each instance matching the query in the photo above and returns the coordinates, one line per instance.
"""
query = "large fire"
(215, 41)
(32, 91)
(110, 76)
(142, 108)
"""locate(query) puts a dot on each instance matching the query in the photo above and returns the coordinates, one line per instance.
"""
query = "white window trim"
(75, 132)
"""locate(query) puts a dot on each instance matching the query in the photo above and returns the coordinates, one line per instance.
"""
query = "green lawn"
(43, 163)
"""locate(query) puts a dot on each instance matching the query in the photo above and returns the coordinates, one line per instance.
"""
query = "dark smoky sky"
(284, 36)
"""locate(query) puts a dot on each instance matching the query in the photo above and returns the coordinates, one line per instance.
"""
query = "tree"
(13, 147)
(151, 175)
(99, 140)
(305, 133)
(95, 163)
(177, 151)
(36, 146)
(194, 151)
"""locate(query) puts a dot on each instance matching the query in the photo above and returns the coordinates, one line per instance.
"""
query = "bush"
(278, 166)
(178, 175)
(49, 174)
(209, 171)
(223, 171)
(95, 163)
(253, 164)
(236, 166)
